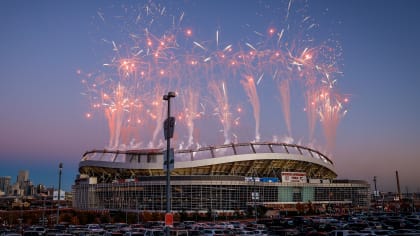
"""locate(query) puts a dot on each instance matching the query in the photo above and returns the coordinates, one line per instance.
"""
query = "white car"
(95, 228)
(225, 225)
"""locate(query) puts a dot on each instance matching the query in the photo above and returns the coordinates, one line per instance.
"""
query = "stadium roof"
(244, 159)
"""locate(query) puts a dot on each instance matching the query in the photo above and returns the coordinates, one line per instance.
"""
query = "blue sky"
(44, 43)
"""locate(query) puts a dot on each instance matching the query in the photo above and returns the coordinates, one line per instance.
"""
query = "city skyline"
(49, 43)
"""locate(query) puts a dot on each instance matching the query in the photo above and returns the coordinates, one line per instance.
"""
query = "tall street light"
(375, 193)
(60, 167)
(169, 126)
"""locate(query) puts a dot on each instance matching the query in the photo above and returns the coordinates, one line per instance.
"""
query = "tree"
(183, 215)
(66, 217)
(156, 216)
(118, 216)
(300, 208)
(196, 215)
(249, 211)
(261, 209)
(311, 209)
(75, 220)
(105, 218)
(209, 214)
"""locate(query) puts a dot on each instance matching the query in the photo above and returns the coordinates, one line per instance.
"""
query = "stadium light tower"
(375, 194)
(168, 127)
(60, 167)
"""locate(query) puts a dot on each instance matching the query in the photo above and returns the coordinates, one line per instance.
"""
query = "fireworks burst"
(154, 49)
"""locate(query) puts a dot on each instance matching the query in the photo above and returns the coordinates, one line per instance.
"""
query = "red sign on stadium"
(293, 177)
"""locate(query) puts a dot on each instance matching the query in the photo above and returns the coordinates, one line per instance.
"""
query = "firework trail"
(250, 89)
(284, 89)
(331, 110)
(190, 104)
(311, 100)
(222, 108)
(115, 107)
(157, 114)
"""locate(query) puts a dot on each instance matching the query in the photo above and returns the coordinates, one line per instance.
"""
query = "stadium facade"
(226, 179)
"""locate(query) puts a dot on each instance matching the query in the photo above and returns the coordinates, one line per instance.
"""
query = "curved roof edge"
(211, 159)
(215, 151)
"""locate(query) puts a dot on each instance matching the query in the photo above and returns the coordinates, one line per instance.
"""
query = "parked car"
(212, 232)
(31, 233)
(261, 232)
(154, 232)
(341, 232)
(245, 233)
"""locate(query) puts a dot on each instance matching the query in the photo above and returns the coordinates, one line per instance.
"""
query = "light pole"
(60, 167)
(43, 209)
(169, 126)
(375, 194)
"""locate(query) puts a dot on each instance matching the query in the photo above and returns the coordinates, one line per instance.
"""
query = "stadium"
(226, 179)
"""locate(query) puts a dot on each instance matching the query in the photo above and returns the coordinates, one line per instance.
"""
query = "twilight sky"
(49, 48)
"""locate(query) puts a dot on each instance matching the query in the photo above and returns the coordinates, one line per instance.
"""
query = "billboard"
(293, 177)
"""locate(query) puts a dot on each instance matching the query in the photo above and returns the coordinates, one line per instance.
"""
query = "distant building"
(5, 186)
(23, 186)
(41, 189)
(23, 194)
(22, 178)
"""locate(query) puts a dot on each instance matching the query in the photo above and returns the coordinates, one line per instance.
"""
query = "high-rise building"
(5, 185)
(22, 178)
(22, 185)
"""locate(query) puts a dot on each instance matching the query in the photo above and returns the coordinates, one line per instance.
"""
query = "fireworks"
(251, 91)
(284, 89)
(155, 50)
